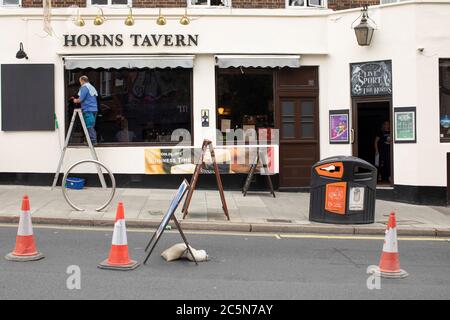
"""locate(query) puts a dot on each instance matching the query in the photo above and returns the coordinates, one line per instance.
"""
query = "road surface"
(242, 266)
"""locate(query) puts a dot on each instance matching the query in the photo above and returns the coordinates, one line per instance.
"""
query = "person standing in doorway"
(88, 100)
(383, 151)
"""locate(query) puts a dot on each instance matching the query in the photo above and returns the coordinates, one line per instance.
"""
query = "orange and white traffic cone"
(389, 263)
(25, 249)
(118, 255)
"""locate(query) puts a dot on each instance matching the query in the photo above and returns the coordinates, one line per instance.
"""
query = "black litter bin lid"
(343, 159)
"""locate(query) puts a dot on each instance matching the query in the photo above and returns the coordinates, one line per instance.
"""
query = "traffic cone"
(118, 255)
(25, 249)
(389, 266)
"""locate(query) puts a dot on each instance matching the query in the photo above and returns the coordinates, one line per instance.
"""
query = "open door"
(372, 138)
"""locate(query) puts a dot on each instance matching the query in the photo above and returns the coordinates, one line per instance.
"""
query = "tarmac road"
(242, 266)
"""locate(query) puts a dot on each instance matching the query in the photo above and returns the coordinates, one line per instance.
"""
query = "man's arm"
(83, 93)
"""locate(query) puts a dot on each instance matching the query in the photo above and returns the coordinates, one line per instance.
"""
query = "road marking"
(226, 233)
(361, 237)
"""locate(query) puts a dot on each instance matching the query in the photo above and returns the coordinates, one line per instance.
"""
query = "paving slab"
(257, 212)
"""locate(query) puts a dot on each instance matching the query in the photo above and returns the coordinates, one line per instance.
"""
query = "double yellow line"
(239, 234)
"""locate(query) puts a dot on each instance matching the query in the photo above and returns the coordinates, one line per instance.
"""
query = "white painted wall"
(323, 38)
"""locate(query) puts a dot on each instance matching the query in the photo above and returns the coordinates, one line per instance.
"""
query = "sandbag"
(180, 250)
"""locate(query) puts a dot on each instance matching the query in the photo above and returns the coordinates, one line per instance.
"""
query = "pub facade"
(170, 74)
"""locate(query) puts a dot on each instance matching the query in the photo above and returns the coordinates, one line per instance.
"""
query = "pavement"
(257, 212)
(242, 266)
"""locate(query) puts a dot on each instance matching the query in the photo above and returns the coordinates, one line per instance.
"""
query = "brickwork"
(265, 4)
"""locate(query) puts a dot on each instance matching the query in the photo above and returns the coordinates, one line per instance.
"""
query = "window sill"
(208, 7)
(128, 144)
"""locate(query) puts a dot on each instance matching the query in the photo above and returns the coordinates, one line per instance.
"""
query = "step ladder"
(66, 143)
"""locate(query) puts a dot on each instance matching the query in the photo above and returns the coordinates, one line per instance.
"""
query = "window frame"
(109, 4)
(441, 60)
(208, 5)
(392, 1)
(3, 5)
(306, 5)
(133, 144)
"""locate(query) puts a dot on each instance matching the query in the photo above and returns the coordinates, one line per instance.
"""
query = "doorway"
(372, 123)
(297, 117)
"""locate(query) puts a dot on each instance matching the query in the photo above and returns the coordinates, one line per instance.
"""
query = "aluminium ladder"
(66, 143)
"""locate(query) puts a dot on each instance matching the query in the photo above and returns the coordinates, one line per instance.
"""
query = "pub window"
(209, 3)
(110, 2)
(306, 3)
(244, 100)
(136, 106)
(444, 99)
(11, 3)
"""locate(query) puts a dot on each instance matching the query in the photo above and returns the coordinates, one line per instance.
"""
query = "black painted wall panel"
(27, 97)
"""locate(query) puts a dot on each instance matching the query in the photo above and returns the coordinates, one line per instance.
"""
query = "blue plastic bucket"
(75, 183)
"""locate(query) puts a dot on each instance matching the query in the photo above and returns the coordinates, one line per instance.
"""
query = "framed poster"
(371, 78)
(339, 126)
(405, 125)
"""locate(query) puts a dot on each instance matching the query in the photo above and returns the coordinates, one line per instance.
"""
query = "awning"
(263, 61)
(117, 62)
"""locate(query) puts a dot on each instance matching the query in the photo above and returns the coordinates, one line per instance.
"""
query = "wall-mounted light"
(364, 30)
(161, 21)
(185, 19)
(129, 21)
(221, 110)
(21, 53)
(79, 21)
(100, 18)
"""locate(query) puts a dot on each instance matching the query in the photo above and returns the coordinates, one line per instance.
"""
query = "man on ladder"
(87, 97)
(88, 100)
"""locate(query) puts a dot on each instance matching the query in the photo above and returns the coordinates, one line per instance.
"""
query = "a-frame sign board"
(206, 145)
(251, 173)
(165, 221)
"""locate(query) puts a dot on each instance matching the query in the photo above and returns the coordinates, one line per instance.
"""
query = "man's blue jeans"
(89, 119)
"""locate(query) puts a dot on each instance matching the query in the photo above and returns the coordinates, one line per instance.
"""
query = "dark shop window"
(444, 99)
(244, 99)
(136, 106)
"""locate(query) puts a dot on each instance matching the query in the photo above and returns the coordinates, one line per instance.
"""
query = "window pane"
(307, 109)
(142, 105)
(307, 130)
(219, 2)
(244, 99)
(288, 130)
(288, 108)
(122, 2)
(199, 2)
(444, 85)
(99, 2)
(315, 3)
(297, 3)
(11, 2)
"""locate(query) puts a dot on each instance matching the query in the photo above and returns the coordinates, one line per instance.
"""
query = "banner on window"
(183, 161)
